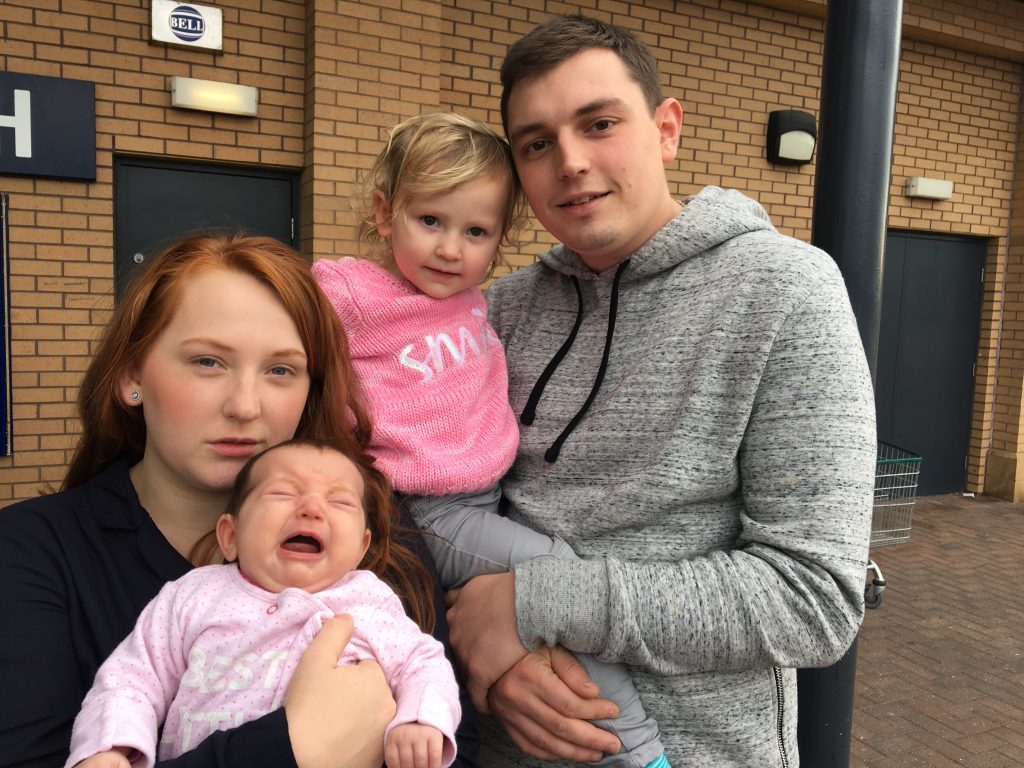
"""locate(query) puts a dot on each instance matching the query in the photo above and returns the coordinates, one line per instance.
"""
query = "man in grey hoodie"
(697, 423)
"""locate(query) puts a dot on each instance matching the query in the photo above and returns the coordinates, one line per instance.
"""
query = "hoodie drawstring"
(529, 412)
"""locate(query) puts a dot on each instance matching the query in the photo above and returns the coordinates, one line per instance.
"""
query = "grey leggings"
(468, 537)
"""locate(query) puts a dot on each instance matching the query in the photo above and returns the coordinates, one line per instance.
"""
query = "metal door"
(927, 348)
(158, 201)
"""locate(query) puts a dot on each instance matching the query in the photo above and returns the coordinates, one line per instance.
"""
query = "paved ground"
(940, 664)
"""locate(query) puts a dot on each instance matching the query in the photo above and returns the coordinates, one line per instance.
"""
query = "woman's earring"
(134, 395)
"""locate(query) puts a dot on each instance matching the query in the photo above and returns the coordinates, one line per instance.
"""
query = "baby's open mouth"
(304, 544)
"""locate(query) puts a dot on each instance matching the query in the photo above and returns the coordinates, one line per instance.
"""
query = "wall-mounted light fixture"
(791, 137)
(211, 96)
(932, 189)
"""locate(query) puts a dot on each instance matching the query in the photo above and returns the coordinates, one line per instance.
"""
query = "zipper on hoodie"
(781, 696)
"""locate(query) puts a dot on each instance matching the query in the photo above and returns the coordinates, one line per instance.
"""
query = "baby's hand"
(414, 745)
(113, 758)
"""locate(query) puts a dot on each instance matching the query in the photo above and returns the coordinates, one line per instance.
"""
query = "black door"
(927, 347)
(159, 201)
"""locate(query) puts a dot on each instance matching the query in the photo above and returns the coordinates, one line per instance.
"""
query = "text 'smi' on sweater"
(718, 486)
(434, 377)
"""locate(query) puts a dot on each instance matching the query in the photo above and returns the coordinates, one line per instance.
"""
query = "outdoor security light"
(791, 137)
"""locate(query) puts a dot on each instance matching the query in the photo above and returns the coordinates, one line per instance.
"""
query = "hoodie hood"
(708, 219)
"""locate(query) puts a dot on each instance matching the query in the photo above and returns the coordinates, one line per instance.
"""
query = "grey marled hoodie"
(720, 485)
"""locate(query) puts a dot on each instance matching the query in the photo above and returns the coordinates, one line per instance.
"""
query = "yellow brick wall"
(989, 27)
(333, 75)
(62, 232)
(371, 65)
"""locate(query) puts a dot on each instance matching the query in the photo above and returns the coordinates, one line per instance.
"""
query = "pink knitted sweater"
(434, 373)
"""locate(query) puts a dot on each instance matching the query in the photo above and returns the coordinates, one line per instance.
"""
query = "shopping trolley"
(896, 475)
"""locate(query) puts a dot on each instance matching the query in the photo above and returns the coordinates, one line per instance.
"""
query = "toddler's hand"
(111, 759)
(414, 745)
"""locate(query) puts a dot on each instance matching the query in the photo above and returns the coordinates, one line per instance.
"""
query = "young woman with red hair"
(222, 347)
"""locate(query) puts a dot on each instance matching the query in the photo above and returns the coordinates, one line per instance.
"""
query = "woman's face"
(225, 379)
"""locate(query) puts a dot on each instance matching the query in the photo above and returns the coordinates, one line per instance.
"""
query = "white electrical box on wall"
(933, 189)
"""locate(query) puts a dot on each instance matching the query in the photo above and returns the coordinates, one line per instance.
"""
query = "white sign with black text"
(188, 24)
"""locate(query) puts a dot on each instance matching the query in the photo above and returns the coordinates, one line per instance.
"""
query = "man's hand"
(544, 702)
(482, 631)
(543, 698)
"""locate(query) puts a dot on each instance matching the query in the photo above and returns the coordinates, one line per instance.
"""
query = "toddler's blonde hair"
(435, 153)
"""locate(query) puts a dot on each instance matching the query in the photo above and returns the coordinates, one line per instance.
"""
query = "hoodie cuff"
(562, 602)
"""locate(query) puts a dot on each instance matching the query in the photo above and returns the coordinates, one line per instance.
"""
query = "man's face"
(591, 156)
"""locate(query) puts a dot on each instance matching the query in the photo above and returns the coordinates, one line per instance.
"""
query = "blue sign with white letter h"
(47, 126)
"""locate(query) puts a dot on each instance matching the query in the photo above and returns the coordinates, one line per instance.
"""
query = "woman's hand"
(544, 702)
(337, 715)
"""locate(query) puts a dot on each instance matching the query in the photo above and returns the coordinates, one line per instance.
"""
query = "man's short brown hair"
(550, 44)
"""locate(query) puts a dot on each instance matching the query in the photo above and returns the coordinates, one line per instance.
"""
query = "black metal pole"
(860, 68)
(855, 126)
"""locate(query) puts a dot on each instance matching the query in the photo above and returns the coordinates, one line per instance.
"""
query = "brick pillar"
(1004, 472)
